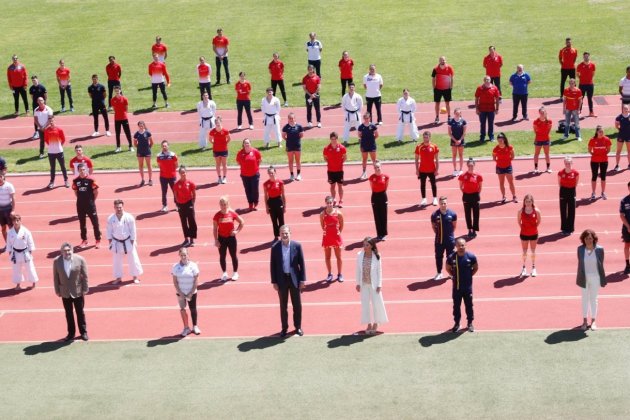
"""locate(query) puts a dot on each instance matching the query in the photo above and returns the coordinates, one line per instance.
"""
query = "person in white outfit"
(351, 103)
(369, 278)
(406, 108)
(373, 83)
(121, 234)
(590, 275)
(206, 108)
(270, 107)
(20, 247)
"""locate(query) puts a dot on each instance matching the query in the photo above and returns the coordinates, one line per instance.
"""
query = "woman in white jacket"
(369, 283)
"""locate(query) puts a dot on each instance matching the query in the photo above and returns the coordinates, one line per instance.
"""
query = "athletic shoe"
(471, 327)
(604, 196)
(455, 173)
(593, 196)
(97, 245)
(291, 178)
(329, 278)
(185, 332)
(141, 183)
(131, 149)
(167, 105)
(514, 199)
(42, 156)
(526, 118)
(626, 270)
(224, 276)
(565, 137)
(340, 278)
(536, 171)
(185, 243)
(51, 186)
(524, 272)
(191, 243)
(71, 109)
(136, 281)
(534, 274)
(36, 135)
(108, 133)
(616, 169)
(117, 150)
(96, 134)
(593, 326)
(109, 108)
(83, 244)
(379, 123)
(503, 200)
(435, 201)
(279, 145)
(164, 209)
(251, 126)
(437, 120)
(286, 104)
(225, 180)
(438, 276)
(383, 238)
(298, 177)
(66, 184)
(150, 183)
(154, 105)
(591, 114)
(63, 109)
(235, 276)
(455, 328)
(423, 202)
(579, 139)
(548, 170)
(196, 330)
(364, 175)
(219, 180)
(319, 125)
(310, 124)
(240, 127)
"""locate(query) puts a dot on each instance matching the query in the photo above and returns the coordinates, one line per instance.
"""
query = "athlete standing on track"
(378, 184)
(20, 247)
(168, 163)
(528, 219)
(292, 134)
(225, 236)
(185, 278)
(624, 214)
(275, 201)
(444, 223)
(427, 163)
(86, 191)
(542, 128)
(121, 234)
(470, 184)
(599, 147)
(568, 179)
(249, 160)
(185, 192)
(331, 220)
(335, 156)
(503, 154)
(220, 138)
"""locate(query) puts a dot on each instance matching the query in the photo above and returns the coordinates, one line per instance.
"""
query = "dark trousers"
(187, 218)
(309, 108)
(164, 184)
(280, 84)
(225, 63)
(88, 210)
(296, 302)
(62, 94)
(423, 183)
(205, 87)
(379, 209)
(78, 304)
(247, 105)
(486, 116)
(587, 91)
(42, 141)
(564, 74)
(17, 92)
(344, 83)
(99, 109)
(471, 210)
(318, 66)
(497, 82)
(111, 84)
(458, 295)
(124, 124)
(377, 102)
(250, 183)
(567, 209)
(192, 305)
(276, 212)
(53, 158)
(516, 100)
(441, 249)
(228, 244)
(599, 167)
(154, 89)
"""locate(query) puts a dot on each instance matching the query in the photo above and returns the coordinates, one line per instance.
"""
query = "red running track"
(249, 306)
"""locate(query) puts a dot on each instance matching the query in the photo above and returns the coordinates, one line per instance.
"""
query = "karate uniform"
(20, 246)
(406, 110)
(271, 119)
(352, 109)
(121, 233)
(206, 120)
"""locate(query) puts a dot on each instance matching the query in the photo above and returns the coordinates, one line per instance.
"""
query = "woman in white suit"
(369, 283)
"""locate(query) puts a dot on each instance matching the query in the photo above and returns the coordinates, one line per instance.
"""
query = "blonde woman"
(369, 280)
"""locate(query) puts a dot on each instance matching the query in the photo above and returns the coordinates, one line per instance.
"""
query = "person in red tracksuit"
(114, 72)
(159, 75)
(167, 162)
(17, 77)
(528, 219)
(276, 69)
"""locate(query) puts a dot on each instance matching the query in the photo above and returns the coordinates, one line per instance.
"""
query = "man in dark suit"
(288, 275)
(71, 285)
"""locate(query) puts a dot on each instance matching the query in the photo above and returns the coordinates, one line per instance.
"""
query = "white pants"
(133, 261)
(272, 125)
(24, 270)
(378, 313)
(589, 296)
(413, 128)
(351, 120)
(204, 129)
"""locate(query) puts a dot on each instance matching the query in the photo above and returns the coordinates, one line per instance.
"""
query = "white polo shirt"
(314, 50)
(372, 85)
(6, 190)
(185, 275)
(43, 115)
(624, 84)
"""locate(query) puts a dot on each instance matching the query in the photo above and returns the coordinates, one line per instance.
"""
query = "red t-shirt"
(225, 222)
(493, 65)
(219, 139)
(63, 74)
(568, 56)
(471, 182)
(529, 223)
(487, 98)
(334, 157)
(167, 162)
(113, 71)
(443, 77)
(157, 69)
(572, 99)
(242, 90)
(159, 49)
(311, 83)
(276, 68)
(220, 42)
(17, 75)
(184, 191)
(120, 105)
(273, 188)
(345, 68)
(203, 70)
(599, 148)
(427, 154)
(378, 183)
(568, 180)
(503, 156)
(586, 72)
(249, 161)
(542, 129)
(75, 161)
(53, 134)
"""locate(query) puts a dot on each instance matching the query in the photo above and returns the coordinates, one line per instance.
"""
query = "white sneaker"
(224, 276)
(224, 180)
(364, 175)
(185, 332)
(219, 180)
(291, 178)
(524, 272)
(131, 149)
(117, 150)
(423, 202)
(240, 127)
(548, 170)
(310, 125)
(108, 134)
(435, 201)
(96, 134)
(455, 173)
(604, 197)
(579, 138)
(36, 135)
(286, 104)
(196, 330)
(235, 276)
(251, 127)
(593, 326)
(319, 125)
(534, 272)
(279, 145)
(164, 209)
(438, 276)
(298, 177)
(63, 109)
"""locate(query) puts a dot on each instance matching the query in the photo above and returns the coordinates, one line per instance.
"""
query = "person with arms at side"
(98, 95)
(590, 275)
(167, 162)
(542, 127)
(427, 164)
(159, 79)
(7, 206)
(3, 166)
(487, 106)
(442, 79)
(121, 234)
(457, 132)
(143, 142)
(270, 108)
(571, 104)
(369, 278)
(220, 46)
(160, 49)
(114, 73)
(55, 138)
(331, 221)
(624, 214)
(599, 147)
(243, 101)
(65, 87)
(186, 278)
(568, 179)
(586, 73)
(528, 219)
(314, 49)
(249, 158)
(37, 90)
(378, 184)
(351, 103)
(185, 192)
(204, 73)
(276, 70)
(288, 277)
(406, 108)
(346, 64)
(444, 223)
(70, 278)
(275, 201)
(78, 159)
(220, 138)
(368, 133)
(462, 266)
(292, 134)
(121, 106)
(503, 154)
(470, 184)
(311, 84)
(225, 233)
(520, 92)
(41, 116)
(622, 124)
(86, 191)
(493, 63)
(206, 110)
(17, 77)
(335, 156)
(566, 58)
(373, 83)
(20, 247)
(624, 88)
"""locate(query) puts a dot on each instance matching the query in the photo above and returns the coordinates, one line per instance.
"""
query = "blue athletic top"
(462, 268)
(519, 83)
(368, 141)
(457, 127)
(293, 135)
(624, 127)
(445, 232)
(624, 209)
(143, 148)
(98, 94)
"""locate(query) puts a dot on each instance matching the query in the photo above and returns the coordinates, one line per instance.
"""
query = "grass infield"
(541, 374)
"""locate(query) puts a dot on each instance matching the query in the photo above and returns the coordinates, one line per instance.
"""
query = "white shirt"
(590, 264)
(373, 85)
(406, 105)
(352, 103)
(123, 228)
(314, 50)
(270, 108)
(20, 240)
(624, 84)
(67, 265)
(43, 115)
(185, 276)
(206, 110)
(286, 258)
(6, 191)
(207, 78)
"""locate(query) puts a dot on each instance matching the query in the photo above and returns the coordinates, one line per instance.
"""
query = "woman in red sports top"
(249, 160)
(275, 201)
(599, 147)
(225, 235)
(331, 220)
(503, 154)
(470, 184)
(243, 101)
(220, 138)
(542, 128)
(528, 219)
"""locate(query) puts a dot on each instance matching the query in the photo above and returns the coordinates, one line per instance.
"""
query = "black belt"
(270, 115)
(351, 112)
(402, 117)
(206, 119)
(123, 241)
(17, 250)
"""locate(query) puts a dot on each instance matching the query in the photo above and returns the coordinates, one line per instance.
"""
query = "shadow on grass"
(104, 154)
(424, 285)
(396, 143)
(64, 220)
(348, 340)
(256, 248)
(318, 285)
(144, 89)
(24, 161)
(561, 141)
(441, 338)
(510, 281)
(566, 336)
(167, 250)
(164, 341)
(45, 347)
(260, 343)
(194, 151)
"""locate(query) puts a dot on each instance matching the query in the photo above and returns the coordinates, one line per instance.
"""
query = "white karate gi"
(352, 113)
(21, 261)
(206, 120)
(122, 234)
(406, 116)
(271, 119)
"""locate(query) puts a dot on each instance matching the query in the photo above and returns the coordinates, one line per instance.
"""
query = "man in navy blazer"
(288, 275)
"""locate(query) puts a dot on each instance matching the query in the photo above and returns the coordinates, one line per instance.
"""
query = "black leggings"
(187, 219)
(423, 183)
(62, 94)
(225, 62)
(125, 126)
(602, 167)
(192, 305)
(154, 89)
(85, 210)
(567, 209)
(344, 83)
(53, 158)
(17, 92)
(376, 101)
(564, 75)
(280, 83)
(99, 109)
(240, 104)
(228, 244)
(471, 210)
(276, 212)
(379, 209)
(587, 91)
